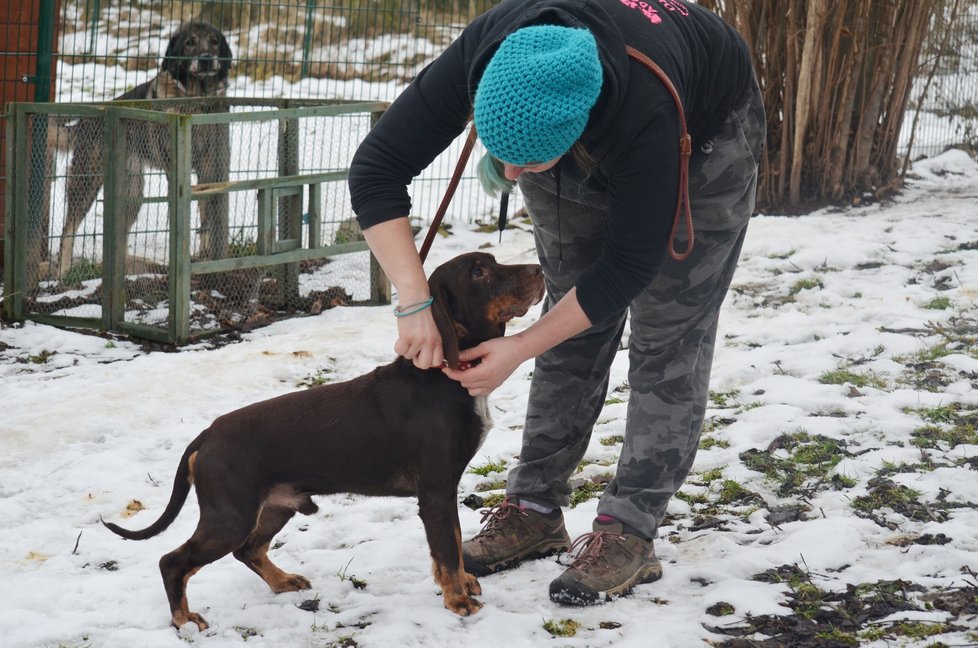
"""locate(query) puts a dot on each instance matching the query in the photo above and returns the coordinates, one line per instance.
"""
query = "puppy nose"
(207, 61)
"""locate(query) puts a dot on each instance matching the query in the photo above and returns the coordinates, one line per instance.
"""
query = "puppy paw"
(463, 605)
(472, 586)
(291, 583)
(181, 617)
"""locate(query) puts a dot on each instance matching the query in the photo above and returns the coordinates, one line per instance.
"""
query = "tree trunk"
(836, 77)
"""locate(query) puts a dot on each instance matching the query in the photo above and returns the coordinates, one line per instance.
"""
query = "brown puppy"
(196, 64)
(396, 431)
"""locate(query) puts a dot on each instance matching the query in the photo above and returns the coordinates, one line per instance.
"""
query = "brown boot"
(512, 534)
(609, 563)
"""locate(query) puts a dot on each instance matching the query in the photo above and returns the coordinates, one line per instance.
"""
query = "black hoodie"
(633, 130)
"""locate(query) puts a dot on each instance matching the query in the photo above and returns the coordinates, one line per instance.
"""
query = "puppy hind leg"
(213, 539)
(440, 517)
(254, 551)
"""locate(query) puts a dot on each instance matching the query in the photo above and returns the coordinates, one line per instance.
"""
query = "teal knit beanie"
(535, 96)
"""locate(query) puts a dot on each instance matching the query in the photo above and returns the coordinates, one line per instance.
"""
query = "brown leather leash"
(683, 211)
(449, 192)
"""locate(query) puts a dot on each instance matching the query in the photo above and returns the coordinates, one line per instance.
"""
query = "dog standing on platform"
(397, 431)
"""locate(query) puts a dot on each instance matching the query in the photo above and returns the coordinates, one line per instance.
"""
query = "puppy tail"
(181, 488)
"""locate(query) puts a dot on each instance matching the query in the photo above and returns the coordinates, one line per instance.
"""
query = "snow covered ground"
(839, 450)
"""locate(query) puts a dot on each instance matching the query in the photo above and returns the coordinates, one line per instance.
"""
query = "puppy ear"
(170, 62)
(224, 56)
(441, 309)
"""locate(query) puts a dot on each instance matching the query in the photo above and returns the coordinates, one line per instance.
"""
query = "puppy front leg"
(439, 513)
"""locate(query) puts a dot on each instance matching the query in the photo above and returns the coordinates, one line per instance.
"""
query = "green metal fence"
(166, 256)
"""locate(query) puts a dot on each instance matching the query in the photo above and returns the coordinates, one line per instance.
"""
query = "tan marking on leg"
(183, 614)
(277, 579)
(191, 467)
(456, 585)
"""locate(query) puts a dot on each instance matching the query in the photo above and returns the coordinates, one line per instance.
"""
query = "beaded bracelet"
(399, 311)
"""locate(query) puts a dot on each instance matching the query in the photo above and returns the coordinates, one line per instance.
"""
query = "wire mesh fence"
(944, 105)
(210, 218)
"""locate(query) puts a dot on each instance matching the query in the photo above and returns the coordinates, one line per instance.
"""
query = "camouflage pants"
(673, 324)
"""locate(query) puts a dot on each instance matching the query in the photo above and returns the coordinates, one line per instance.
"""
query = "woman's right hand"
(418, 340)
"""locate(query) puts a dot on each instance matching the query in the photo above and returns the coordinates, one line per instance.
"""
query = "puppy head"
(197, 50)
(475, 297)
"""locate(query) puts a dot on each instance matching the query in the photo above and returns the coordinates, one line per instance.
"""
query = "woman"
(591, 137)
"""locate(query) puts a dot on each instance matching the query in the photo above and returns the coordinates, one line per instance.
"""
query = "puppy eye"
(478, 272)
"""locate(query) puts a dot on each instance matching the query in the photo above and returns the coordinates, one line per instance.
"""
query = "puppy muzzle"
(205, 65)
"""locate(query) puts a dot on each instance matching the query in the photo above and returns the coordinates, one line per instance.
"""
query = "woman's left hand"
(498, 358)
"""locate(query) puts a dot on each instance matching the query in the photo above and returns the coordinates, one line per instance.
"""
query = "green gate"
(164, 255)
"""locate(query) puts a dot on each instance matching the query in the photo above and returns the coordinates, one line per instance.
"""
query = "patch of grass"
(586, 491)
(948, 426)
(492, 499)
(321, 377)
(843, 376)
(885, 494)
(805, 284)
(941, 414)
(919, 629)
(722, 400)
(562, 628)
(837, 637)
(721, 608)
(84, 270)
(698, 499)
(715, 423)
(939, 303)
(489, 468)
(711, 476)
(41, 358)
(809, 459)
(708, 443)
(614, 439)
(934, 437)
(614, 400)
(732, 492)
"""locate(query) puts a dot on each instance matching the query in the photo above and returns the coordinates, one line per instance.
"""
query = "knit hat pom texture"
(537, 92)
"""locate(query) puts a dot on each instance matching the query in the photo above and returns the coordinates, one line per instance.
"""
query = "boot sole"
(480, 569)
(584, 597)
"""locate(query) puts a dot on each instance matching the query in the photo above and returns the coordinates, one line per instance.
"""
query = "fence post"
(307, 38)
(180, 233)
(115, 230)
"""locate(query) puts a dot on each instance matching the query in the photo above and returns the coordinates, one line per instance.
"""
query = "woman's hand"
(418, 340)
(498, 357)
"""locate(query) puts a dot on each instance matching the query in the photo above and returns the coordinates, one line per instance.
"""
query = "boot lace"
(587, 549)
(494, 516)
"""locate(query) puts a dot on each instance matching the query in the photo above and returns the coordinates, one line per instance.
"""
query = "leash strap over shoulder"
(683, 211)
(463, 158)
